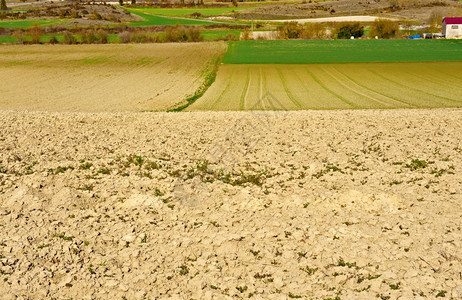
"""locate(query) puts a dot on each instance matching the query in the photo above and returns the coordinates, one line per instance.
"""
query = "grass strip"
(209, 80)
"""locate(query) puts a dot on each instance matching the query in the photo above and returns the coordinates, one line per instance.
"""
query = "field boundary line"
(200, 91)
(412, 88)
(245, 91)
(288, 92)
(329, 90)
(372, 91)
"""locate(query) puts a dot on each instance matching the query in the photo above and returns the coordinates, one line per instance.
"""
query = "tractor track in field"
(245, 92)
(352, 89)
(372, 91)
(413, 88)
(318, 81)
(288, 92)
(228, 86)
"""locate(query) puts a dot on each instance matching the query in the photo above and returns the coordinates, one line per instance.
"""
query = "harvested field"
(108, 78)
(334, 86)
(224, 205)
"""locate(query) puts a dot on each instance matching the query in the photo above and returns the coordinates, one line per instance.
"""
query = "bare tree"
(3, 5)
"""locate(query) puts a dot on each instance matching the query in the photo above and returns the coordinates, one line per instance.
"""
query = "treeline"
(381, 28)
(106, 34)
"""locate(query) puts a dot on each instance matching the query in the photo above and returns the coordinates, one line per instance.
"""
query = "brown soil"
(359, 204)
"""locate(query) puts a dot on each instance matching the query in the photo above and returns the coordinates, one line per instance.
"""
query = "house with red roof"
(452, 28)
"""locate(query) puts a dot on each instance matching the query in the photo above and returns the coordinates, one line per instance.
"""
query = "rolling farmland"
(153, 17)
(334, 86)
(97, 78)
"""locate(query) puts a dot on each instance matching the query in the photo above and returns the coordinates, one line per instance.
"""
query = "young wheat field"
(334, 86)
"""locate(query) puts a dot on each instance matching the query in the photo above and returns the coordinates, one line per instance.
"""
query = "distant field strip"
(334, 86)
(342, 51)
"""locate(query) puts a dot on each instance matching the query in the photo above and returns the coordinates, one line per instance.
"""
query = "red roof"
(453, 20)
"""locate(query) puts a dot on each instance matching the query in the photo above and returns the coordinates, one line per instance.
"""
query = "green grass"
(151, 19)
(112, 39)
(342, 51)
(213, 35)
(28, 23)
(185, 12)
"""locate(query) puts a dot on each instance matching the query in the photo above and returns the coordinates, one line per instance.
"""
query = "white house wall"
(453, 31)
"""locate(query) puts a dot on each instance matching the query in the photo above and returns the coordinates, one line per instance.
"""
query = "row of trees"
(37, 34)
(381, 28)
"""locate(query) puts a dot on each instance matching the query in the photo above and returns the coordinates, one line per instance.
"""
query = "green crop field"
(211, 35)
(154, 19)
(334, 86)
(184, 12)
(28, 23)
(342, 51)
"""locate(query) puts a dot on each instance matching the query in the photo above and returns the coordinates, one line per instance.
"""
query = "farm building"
(452, 28)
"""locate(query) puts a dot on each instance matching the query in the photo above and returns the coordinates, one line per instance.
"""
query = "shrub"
(230, 37)
(75, 14)
(96, 15)
(290, 30)
(435, 20)
(35, 32)
(384, 29)
(315, 31)
(245, 35)
(346, 30)
(69, 38)
(19, 37)
(102, 36)
(139, 37)
(176, 33)
(53, 40)
(195, 35)
(124, 37)
(88, 36)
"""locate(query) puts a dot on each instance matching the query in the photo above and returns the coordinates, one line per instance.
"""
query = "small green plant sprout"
(85, 166)
(416, 164)
(441, 294)
(293, 296)
(394, 286)
(184, 270)
(262, 276)
(308, 270)
(144, 239)
(255, 252)
(342, 263)
(90, 269)
(242, 289)
(64, 237)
